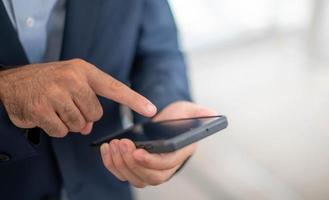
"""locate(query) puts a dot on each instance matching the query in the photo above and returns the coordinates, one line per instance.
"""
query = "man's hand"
(141, 168)
(60, 97)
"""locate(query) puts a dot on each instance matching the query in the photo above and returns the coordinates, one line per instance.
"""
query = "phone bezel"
(177, 142)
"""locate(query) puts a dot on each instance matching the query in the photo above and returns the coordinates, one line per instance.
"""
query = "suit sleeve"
(159, 71)
(12, 140)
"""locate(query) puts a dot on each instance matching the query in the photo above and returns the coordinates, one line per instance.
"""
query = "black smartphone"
(169, 135)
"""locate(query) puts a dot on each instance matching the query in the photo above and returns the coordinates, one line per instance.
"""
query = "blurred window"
(209, 22)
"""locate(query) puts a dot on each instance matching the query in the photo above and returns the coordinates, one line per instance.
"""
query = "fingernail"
(104, 149)
(123, 148)
(151, 109)
(113, 147)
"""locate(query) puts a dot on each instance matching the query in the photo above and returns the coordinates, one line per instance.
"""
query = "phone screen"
(162, 130)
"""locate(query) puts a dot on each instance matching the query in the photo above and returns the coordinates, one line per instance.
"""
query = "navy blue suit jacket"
(135, 41)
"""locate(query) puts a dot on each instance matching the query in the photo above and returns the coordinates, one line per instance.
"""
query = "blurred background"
(264, 64)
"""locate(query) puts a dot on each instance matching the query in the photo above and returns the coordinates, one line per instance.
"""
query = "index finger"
(163, 161)
(110, 88)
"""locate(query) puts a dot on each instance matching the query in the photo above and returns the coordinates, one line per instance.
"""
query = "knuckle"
(81, 124)
(17, 122)
(75, 123)
(79, 85)
(116, 86)
(79, 90)
(37, 109)
(80, 121)
(54, 130)
(55, 93)
(78, 61)
(67, 76)
(37, 112)
(93, 108)
(51, 134)
(20, 123)
(73, 119)
(68, 73)
(96, 114)
(61, 133)
(17, 113)
(99, 114)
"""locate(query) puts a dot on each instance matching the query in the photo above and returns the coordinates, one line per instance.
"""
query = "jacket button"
(4, 157)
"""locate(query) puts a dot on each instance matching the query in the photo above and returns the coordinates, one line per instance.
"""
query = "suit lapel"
(11, 50)
(81, 18)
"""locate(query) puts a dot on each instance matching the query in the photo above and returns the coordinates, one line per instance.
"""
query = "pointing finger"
(108, 87)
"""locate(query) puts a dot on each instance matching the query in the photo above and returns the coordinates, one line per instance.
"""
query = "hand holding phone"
(141, 168)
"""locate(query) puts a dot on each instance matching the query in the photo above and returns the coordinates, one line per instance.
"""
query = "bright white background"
(209, 22)
(264, 64)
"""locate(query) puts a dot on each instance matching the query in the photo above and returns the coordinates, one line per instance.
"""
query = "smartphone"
(169, 135)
